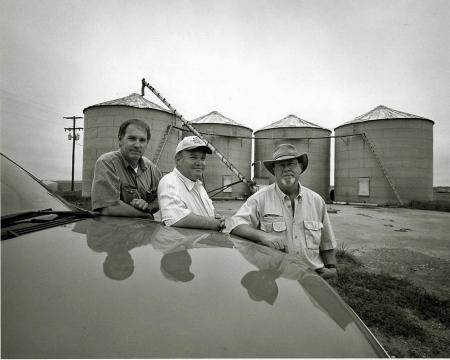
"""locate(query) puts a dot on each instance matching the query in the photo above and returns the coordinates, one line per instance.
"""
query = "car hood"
(119, 287)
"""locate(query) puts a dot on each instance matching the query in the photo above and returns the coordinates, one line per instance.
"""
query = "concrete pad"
(362, 228)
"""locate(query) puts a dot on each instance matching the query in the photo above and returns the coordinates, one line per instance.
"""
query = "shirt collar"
(187, 182)
(142, 164)
(127, 164)
(283, 195)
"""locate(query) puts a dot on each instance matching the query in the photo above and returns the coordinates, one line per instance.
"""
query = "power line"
(270, 137)
(26, 101)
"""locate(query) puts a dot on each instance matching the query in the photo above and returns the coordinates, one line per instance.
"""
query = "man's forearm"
(329, 271)
(328, 256)
(198, 222)
(123, 209)
(272, 239)
(247, 232)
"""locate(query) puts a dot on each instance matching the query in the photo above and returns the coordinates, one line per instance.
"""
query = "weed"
(345, 256)
(394, 308)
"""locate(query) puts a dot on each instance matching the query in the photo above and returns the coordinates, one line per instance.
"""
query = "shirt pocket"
(128, 193)
(313, 232)
(277, 226)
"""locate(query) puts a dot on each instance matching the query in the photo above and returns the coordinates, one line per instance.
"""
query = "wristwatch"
(331, 266)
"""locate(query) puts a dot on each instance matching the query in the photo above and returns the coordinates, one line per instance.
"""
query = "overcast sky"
(254, 61)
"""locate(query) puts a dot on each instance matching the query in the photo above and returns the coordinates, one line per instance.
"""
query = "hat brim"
(302, 159)
(207, 149)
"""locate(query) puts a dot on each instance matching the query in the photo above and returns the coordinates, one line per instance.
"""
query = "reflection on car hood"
(118, 287)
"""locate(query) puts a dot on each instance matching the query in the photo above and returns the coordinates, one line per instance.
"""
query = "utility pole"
(74, 137)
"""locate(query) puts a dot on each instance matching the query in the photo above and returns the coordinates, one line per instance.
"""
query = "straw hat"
(286, 152)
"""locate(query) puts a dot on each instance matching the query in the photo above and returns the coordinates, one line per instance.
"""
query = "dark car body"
(108, 287)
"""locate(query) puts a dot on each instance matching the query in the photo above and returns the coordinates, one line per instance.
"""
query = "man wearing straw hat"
(288, 216)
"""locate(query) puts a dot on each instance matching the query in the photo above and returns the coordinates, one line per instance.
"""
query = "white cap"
(191, 142)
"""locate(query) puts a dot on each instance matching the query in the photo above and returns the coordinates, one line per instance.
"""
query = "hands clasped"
(139, 204)
(221, 222)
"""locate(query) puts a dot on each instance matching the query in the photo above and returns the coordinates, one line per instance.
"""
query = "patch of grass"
(402, 315)
(345, 256)
(437, 205)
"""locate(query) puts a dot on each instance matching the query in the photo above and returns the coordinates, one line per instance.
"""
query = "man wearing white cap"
(288, 216)
(183, 200)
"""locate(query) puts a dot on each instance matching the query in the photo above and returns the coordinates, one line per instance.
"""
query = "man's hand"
(139, 204)
(221, 219)
(272, 240)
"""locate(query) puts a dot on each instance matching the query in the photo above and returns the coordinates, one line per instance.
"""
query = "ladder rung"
(383, 170)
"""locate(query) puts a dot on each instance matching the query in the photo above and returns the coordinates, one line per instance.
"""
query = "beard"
(287, 181)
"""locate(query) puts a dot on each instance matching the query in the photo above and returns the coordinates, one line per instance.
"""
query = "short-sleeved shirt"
(179, 196)
(305, 233)
(115, 179)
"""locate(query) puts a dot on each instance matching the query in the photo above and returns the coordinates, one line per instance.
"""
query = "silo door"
(227, 180)
(363, 188)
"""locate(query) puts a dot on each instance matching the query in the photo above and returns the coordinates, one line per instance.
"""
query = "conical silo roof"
(382, 112)
(214, 117)
(133, 100)
(291, 121)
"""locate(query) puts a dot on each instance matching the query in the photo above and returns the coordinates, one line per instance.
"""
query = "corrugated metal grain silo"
(306, 137)
(233, 140)
(101, 125)
(389, 160)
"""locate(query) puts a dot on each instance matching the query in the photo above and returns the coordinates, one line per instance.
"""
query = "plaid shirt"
(115, 179)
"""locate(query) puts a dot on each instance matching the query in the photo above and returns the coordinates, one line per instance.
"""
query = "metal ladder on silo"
(162, 143)
(383, 169)
(251, 184)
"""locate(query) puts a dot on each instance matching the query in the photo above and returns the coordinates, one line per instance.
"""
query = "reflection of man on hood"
(261, 285)
(118, 265)
(117, 238)
(272, 264)
(168, 239)
(175, 266)
(174, 243)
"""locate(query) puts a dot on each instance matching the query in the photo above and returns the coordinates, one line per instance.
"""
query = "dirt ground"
(408, 243)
